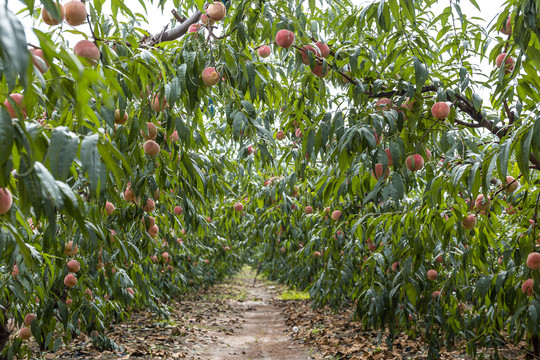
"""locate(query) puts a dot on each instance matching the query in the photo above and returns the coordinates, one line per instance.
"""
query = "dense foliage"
(373, 170)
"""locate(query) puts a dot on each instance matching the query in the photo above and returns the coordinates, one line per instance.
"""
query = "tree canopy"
(357, 151)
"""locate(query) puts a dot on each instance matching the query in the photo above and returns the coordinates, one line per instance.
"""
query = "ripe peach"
(511, 184)
(435, 294)
(482, 203)
(408, 104)
(305, 55)
(285, 38)
(380, 172)
(469, 222)
(383, 104)
(308, 210)
(533, 261)
(69, 302)
(418, 162)
(151, 148)
(389, 156)
(432, 275)
(88, 292)
(25, 333)
(130, 291)
(73, 266)
(38, 59)
(178, 210)
(152, 132)
(264, 51)
(29, 318)
(174, 136)
(119, 118)
(150, 205)
(153, 231)
(395, 266)
(209, 219)
(70, 280)
(210, 76)
(298, 133)
(280, 135)
(109, 208)
(325, 50)
(250, 150)
(6, 200)
(158, 105)
(49, 19)
(194, 28)
(128, 193)
(336, 215)
(508, 62)
(18, 100)
(205, 20)
(440, 110)
(165, 256)
(378, 138)
(318, 70)
(439, 259)
(15, 271)
(88, 50)
(71, 250)
(75, 12)
(506, 29)
(216, 11)
(528, 287)
(238, 207)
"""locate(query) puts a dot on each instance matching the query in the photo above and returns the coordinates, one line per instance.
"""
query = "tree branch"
(320, 61)
(177, 16)
(176, 32)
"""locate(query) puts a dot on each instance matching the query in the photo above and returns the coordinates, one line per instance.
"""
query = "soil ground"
(238, 321)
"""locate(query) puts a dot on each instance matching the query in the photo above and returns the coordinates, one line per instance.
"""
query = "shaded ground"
(237, 321)
(336, 337)
(233, 320)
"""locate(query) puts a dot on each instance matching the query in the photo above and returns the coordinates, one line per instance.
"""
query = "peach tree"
(359, 152)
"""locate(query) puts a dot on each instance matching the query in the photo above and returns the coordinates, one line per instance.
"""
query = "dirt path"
(232, 320)
(257, 331)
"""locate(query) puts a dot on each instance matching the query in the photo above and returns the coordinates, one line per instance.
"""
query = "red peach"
(75, 13)
(151, 148)
(285, 38)
(88, 50)
(210, 76)
(440, 110)
(49, 19)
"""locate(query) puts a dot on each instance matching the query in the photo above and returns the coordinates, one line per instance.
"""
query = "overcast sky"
(490, 9)
(157, 19)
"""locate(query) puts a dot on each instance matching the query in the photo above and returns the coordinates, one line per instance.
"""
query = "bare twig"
(320, 60)
(509, 113)
(177, 16)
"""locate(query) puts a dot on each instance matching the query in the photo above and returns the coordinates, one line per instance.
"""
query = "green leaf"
(504, 155)
(420, 73)
(483, 284)
(535, 136)
(62, 152)
(6, 137)
(523, 153)
(91, 162)
(13, 45)
(48, 183)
